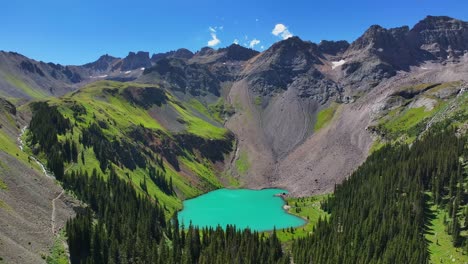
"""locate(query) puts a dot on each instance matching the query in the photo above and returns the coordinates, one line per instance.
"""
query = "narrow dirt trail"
(52, 217)
(47, 174)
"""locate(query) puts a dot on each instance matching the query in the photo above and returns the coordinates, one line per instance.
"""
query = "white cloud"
(236, 41)
(214, 41)
(254, 42)
(212, 29)
(281, 31)
(262, 47)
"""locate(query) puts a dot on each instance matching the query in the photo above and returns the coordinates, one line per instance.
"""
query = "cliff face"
(441, 36)
(137, 60)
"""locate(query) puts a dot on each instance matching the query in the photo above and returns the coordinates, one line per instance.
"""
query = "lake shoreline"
(243, 208)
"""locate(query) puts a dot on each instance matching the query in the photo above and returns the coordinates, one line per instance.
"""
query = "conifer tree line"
(379, 214)
(45, 126)
(121, 226)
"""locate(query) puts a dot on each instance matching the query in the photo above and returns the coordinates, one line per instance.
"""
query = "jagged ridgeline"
(381, 213)
(164, 148)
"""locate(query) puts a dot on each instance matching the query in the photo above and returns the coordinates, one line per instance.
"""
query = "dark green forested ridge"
(379, 214)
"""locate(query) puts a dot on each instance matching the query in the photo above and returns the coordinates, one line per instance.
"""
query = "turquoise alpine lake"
(259, 210)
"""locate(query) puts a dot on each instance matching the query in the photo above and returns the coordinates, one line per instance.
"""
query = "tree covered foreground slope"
(380, 213)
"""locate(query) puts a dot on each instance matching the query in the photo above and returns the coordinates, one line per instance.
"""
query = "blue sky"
(79, 31)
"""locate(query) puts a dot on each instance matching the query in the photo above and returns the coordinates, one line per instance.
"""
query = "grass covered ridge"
(120, 114)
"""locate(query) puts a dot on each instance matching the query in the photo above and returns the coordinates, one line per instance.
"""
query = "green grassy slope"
(121, 113)
(405, 120)
(440, 243)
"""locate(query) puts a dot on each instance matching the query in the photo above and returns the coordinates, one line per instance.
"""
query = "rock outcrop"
(137, 60)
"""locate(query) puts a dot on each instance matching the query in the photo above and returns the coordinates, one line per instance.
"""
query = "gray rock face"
(7, 106)
(333, 47)
(205, 51)
(177, 54)
(137, 60)
(103, 64)
(441, 36)
(275, 69)
(376, 55)
(179, 76)
(237, 53)
(233, 53)
(379, 53)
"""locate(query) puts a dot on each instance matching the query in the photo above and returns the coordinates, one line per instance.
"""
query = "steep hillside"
(165, 148)
(33, 208)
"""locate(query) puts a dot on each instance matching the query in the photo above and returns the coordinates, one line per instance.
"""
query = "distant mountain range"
(379, 53)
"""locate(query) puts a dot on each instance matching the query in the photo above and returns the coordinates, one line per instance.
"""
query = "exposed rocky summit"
(229, 54)
(137, 60)
(236, 52)
(103, 64)
(333, 47)
(177, 54)
(178, 75)
(442, 36)
(279, 66)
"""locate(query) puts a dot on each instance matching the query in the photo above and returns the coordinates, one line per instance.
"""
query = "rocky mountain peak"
(378, 37)
(102, 64)
(137, 60)
(292, 53)
(205, 51)
(237, 52)
(442, 36)
(333, 47)
(177, 54)
(183, 54)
